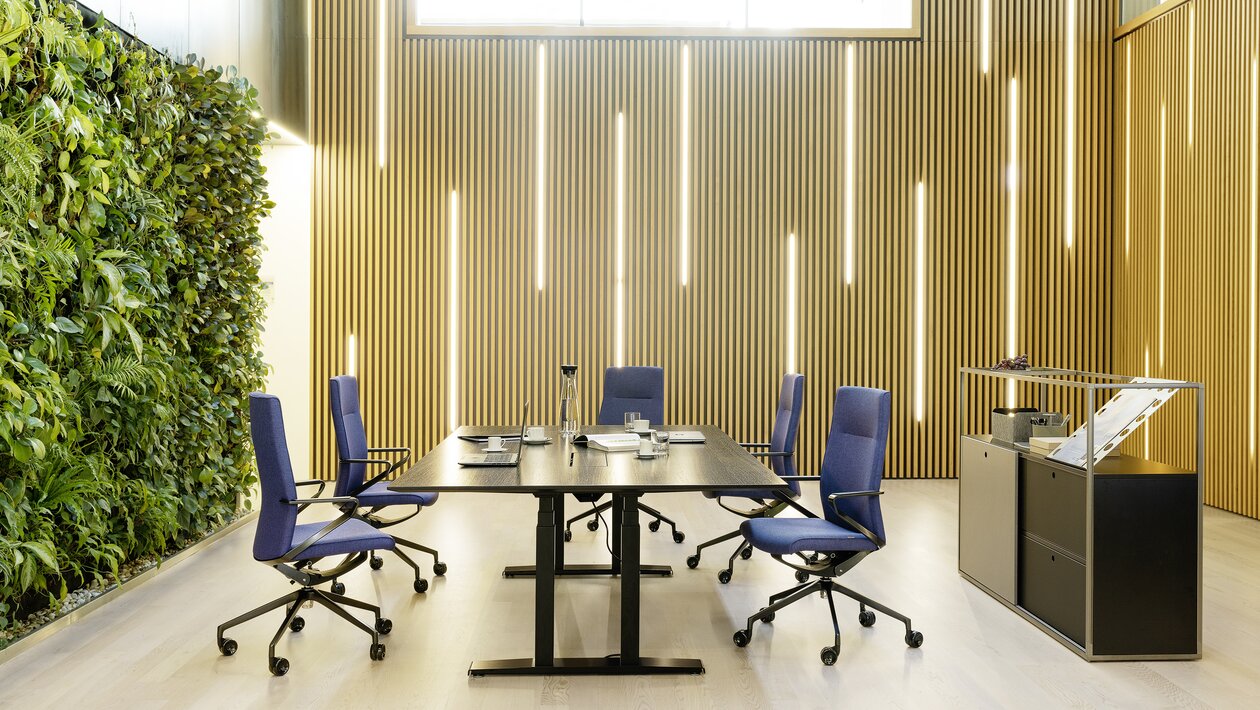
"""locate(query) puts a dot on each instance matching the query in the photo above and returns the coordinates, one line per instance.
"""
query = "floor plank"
(154, 646)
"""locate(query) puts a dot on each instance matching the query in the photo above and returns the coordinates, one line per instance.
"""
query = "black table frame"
(582, 570)
(550, 564)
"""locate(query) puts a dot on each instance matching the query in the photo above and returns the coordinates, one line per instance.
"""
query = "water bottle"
(570, 409)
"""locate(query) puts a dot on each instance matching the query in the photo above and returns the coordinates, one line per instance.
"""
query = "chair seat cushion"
(380, 494)
(785, 536)
(354, 535)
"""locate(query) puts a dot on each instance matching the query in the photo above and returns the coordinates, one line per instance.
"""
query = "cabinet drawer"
(988, 528)
(1052, 587)
(1052, 505)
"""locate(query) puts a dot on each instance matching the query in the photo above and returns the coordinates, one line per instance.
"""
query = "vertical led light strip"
(452, 320)
(684, 168)
(352, 356)
(1069, 125)
(540, 251)
(620, 337)
(1190, 82)
(381, 5)
(1128, 145)
(1251, 281)
(791, 304)
(920, 314)
(1163, 221)
(986, 34)
(1012, 235)
(849, 141)
(1146, 430)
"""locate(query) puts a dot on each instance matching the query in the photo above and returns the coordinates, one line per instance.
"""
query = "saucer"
(489, 450)
(638, 455)
(535, 442)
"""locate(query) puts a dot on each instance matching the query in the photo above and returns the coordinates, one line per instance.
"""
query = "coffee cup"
(646, 447)
(641, 426)
(494, 443)
(534, 433)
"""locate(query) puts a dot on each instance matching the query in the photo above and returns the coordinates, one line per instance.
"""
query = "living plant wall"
(130, 197)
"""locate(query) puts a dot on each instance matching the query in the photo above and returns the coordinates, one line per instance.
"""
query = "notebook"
(686, 437)
(610, 442)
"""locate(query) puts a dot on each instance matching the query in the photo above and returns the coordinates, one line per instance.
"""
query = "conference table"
(549, 472)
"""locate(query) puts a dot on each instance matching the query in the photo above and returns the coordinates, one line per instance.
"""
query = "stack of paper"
(614, 442)
(1045, 444)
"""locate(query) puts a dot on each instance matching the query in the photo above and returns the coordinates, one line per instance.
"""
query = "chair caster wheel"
(421, 586)
(693, 561)
(829, 655)
(376, 562)
(767, 618)
(439, 568)
(679, 537)
(593, 525)
(742, 638)
(745, 554)
(654, 525)
(279, 666)
(338, 588)
(297, 624)
(802, 576)
(724, 576)
(384, 626)
(377, 652)
(914, 639)
(568, 536)
(866, 618)
(227, 647)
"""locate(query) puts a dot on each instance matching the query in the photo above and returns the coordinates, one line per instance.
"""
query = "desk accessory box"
(1012, 424)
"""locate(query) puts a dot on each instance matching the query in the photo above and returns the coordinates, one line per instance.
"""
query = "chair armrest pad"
(376, 462)
(311, 482)
(390, 449)
(854, 494)
(339, 500)
(801, 478)
(755, 445)
(764, 454)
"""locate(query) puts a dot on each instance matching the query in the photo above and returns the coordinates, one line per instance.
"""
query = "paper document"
(614, 442)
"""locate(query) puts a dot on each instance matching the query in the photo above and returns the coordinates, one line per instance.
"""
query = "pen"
(570, 459)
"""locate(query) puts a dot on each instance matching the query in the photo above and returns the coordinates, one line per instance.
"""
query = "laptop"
(500, 458)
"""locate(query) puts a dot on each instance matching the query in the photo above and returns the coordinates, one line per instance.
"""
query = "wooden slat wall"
(1206, 234)
(767, 156)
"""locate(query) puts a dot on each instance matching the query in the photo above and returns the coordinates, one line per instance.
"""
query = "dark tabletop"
(718, 464)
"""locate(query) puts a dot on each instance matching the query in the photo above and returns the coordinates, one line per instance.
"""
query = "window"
(835, 18)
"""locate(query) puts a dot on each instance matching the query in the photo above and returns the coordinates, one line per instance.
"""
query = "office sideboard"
(1121, 584)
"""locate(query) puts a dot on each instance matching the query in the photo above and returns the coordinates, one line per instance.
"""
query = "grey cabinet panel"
(988, 493)
(1052, 506)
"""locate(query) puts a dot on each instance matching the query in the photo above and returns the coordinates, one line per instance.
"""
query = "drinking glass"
(630, 417)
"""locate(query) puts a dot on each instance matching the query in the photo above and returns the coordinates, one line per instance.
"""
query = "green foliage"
(130, 306)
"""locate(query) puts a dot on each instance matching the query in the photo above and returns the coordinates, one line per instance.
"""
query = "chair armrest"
(340, 500)
(376, 462)
(390, 467)
(764, 454)
(853, 524)
(801, 478)
(754, 445)
(347, 513)
(389, 450)
(312, 482)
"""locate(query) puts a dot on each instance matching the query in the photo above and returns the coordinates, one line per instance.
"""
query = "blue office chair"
(293, 548)
(781, 455)
(373, 494)
(852, 526)
(628, 389)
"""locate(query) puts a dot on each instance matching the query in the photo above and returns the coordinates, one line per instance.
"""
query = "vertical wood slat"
(1206, 233)
(767, 153)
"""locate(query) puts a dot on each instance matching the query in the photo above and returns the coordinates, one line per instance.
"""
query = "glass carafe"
(570, 407)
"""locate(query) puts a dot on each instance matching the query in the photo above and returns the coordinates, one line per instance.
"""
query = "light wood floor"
(154, 647)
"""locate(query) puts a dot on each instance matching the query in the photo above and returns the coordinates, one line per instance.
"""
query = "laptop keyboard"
(498, 458)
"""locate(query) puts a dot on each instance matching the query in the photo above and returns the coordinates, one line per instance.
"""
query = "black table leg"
(628, 662)
(616, 531)
(584, 570)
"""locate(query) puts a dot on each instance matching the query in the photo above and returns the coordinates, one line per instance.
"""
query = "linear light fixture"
(986, 34)
(920, 276)
(1069, 125)
(1128, 145)
(620, 349)
(1251, 291)
(1146, 430)
(382, 6)
(452, 319)
(1163, 220)
(540, 252)
(1190, 81)
(1012, 234)
(791, 304)
(684, 159)
(849, 141)
(352, 355)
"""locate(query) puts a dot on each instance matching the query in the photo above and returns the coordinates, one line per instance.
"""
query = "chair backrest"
(276, 518)
(854, 460)
(343, 399)
(633, 389)
(787, 418)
